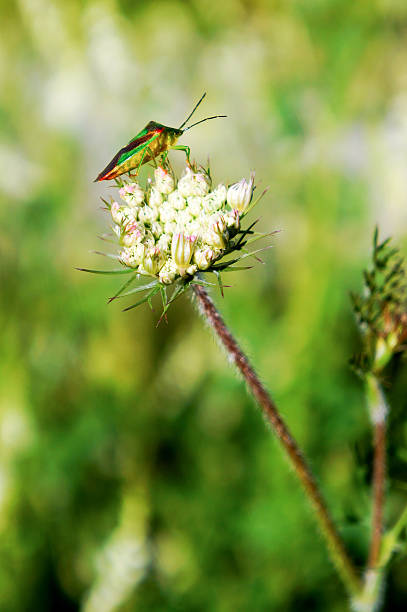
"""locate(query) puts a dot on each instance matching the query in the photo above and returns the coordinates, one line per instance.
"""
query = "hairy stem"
(334, 542)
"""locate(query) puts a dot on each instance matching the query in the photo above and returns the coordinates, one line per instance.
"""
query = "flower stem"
(339, 556)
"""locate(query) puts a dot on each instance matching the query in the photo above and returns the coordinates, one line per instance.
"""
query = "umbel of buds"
(173, 230)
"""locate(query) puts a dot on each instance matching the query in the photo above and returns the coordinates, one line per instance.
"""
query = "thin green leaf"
(219, 279)
(140, 289)
(233, 268)
(256, 201)
(110, 255)
(127, 271)
(262, 235)
(253, 253)
(123, 287)
(146, 298)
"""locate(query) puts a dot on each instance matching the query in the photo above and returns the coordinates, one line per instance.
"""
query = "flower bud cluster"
(174, 229)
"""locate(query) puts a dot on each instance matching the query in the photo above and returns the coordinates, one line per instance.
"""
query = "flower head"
(172, 230)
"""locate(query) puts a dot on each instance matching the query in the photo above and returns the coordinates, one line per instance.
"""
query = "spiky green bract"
(381, 308)
(173, 231)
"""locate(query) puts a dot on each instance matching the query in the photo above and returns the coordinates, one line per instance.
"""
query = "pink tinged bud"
(193, 184)
(163, 181)
(132, 194)
(133, 233)
(240, 194)
(132, 256)
(204, 257)
(182, 248)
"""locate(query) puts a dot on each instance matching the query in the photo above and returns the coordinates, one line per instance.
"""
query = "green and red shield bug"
(153, 140)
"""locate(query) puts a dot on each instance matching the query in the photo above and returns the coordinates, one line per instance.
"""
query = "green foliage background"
(135, 471)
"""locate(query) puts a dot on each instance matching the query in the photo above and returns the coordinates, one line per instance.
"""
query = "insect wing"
(134, 146)
(137, 144)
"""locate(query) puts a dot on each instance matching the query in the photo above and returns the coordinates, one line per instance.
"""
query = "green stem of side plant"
(333, 540)
(378, 415)
(370, 597)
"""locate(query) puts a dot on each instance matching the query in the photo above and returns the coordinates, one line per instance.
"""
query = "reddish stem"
(334, 542)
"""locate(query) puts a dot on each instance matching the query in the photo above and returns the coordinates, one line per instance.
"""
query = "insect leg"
(186, 150)
(152, 156)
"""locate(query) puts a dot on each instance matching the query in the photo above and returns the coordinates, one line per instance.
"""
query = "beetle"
(153, 140)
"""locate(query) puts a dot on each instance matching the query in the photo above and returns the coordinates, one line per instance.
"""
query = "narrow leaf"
(123, 288)
(129, 271)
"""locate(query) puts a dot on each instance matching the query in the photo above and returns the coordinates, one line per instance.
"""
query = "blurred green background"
(135, 471)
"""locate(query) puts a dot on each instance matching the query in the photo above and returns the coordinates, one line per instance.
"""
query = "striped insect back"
(155, 139)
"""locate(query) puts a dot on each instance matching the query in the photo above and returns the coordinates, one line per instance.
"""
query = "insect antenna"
(193, 110)
(202, 120)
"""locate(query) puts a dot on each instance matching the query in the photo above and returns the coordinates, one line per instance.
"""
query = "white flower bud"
(170, 227)
(129, 215)
(167, 213)
(233, 219)
(149, 240)
(152, 262)
(116, 212)
(217, 235)
(240, 194)
(132, 256)
(156, 229)
(117, 230)
(183, 217)
(195, 205)
(204, 257)
(164, 242)
(214, 200)
(219, 221)
(132, 194)
(147, 214)
(168, 272)
(163, 180)
(155, 198)
(194, 227)
(192, 269)
(193, 184)
(176, 200)
(182, 248)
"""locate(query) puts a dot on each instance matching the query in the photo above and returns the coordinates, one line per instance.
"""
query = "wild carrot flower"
(171, 231)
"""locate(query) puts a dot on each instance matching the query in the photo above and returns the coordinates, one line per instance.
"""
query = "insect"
(153, 140)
